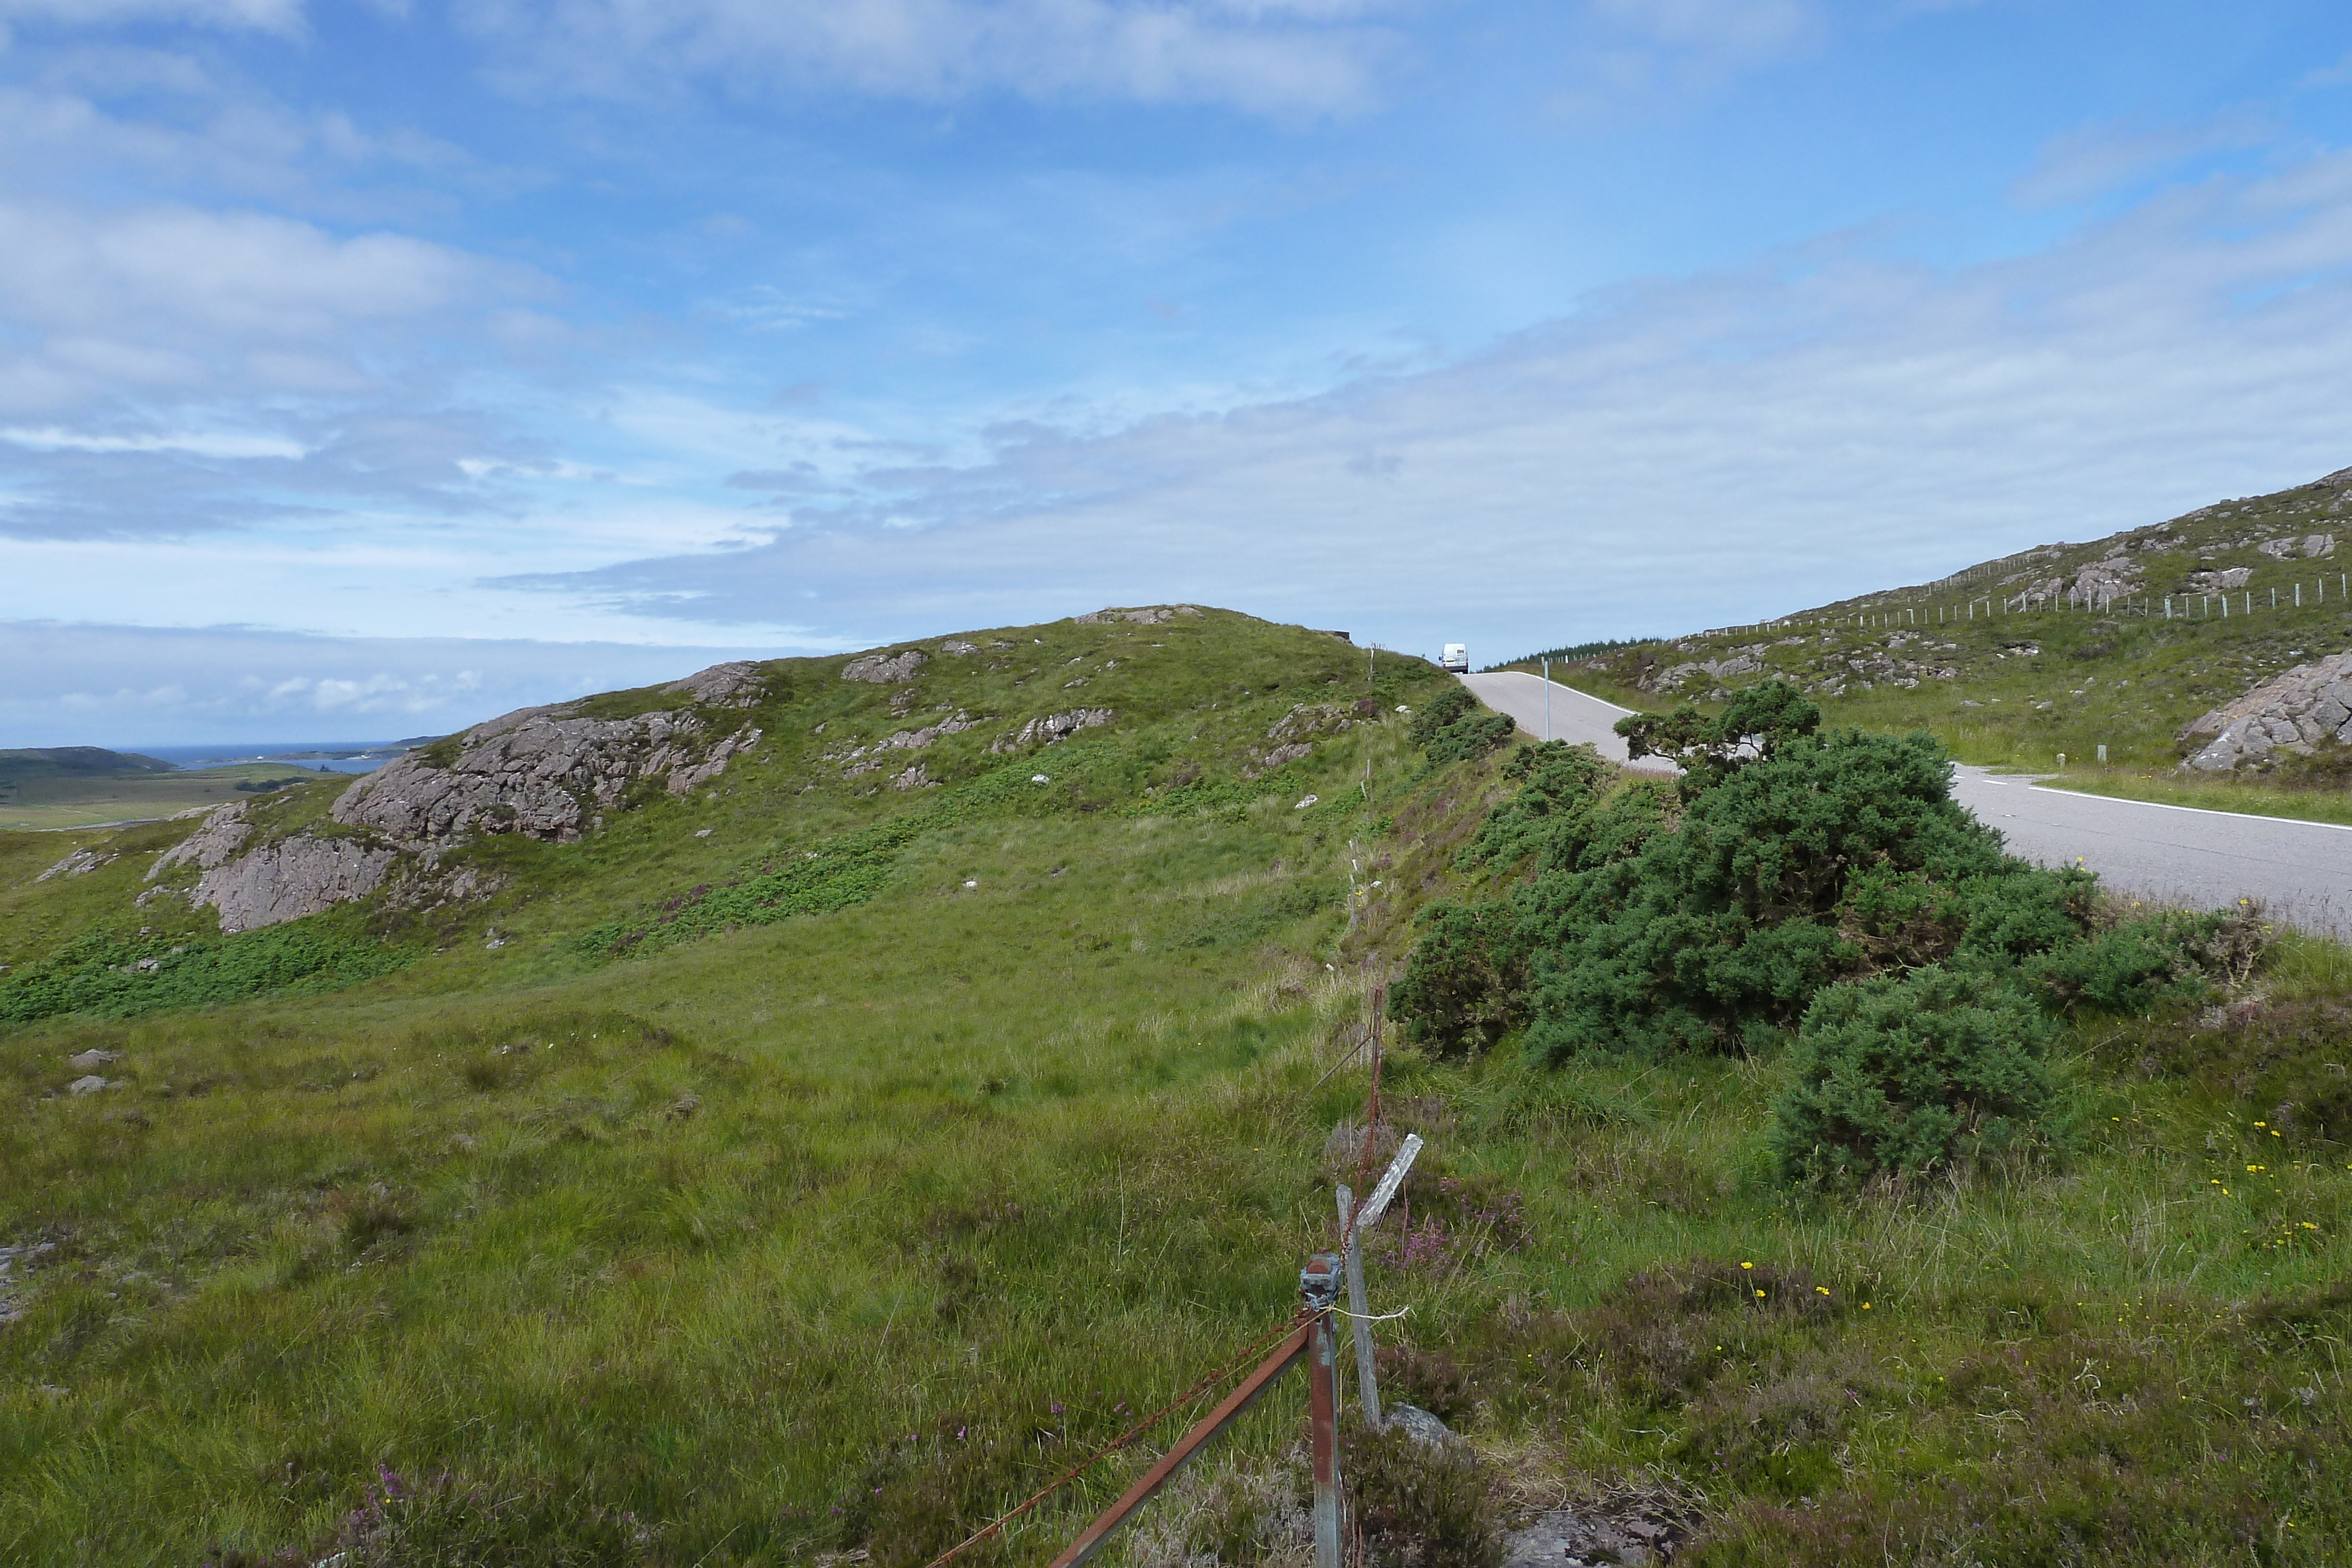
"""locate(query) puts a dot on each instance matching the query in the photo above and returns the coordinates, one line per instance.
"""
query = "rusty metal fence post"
(1318, 1285)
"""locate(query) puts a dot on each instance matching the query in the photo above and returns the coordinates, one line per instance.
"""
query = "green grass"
(48, 803)
(852, 1225)
(2019, 687)
(2252, 797)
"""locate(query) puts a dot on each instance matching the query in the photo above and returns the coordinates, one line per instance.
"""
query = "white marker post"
(1351, 1231)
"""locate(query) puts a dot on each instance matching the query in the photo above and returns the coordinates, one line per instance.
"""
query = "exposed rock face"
(885, 669)
(723, 685)
(2118, 576)
(2217, 581)
(536, 773)
(1053, 728)
(81, 863)
(1152, 615)
(2295, 712)
(1296, 731)
(903, 740)
(224, 833)
(959, 649)
(2310, 547)
(294, 877)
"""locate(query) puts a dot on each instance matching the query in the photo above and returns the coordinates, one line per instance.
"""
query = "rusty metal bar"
(1286, 1355)
(1319, 1282)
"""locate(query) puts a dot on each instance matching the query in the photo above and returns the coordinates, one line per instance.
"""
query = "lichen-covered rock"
(1053, 730)
(2299, 710)
(540, 772)
(2305, 547)
(723, 685)
(81, 863)
(2220, 582)
(292, 878)
(223, 833)
(1150, 615)
(885, 669)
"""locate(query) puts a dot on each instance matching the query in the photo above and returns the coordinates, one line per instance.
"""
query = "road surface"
(2300, 871)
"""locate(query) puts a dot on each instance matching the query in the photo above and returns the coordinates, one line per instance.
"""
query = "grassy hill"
(623, 1218)
(2057, 650)
(88, 786)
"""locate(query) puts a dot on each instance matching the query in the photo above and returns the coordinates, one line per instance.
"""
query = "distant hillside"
(2123, 643)
(74, 762)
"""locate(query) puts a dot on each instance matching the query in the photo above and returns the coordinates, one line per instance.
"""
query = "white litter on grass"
(1039, 779)
(702, 833)
(973, 884)
(1307, 802)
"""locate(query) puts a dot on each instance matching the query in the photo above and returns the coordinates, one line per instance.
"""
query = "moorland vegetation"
(801, 1166)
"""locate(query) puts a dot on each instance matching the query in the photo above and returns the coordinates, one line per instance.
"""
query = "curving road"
(2300, 871)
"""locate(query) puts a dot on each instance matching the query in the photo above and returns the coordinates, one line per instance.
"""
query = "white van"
(1457, 658)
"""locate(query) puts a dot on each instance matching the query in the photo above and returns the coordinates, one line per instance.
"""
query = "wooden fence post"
(1367, 1385)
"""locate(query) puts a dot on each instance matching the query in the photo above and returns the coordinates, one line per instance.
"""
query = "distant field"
(87, 801)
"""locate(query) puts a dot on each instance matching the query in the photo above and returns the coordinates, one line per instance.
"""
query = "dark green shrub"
(2172, 956)
(1934, 1068)
(1421, 1506)
(1829, 856)
(1561, 786)
(1432, 1379)
(1460, 989)
(1450, 728)
(1439, 712)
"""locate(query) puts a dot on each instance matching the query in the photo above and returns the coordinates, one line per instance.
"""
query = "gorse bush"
(1930, 1069)
(1451, 729)
(1707, 915)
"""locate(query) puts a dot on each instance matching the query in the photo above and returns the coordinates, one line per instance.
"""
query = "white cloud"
(1682, 453)
(200, 444)
(1645, 54)
(2095, 159)
(1301, 57)
(162, 305)
(95, 683)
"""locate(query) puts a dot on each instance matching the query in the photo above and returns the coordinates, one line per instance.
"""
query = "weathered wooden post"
(1319, 1287)
(1368, 1384)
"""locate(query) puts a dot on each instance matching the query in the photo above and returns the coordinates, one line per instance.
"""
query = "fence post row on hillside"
(2203, 606)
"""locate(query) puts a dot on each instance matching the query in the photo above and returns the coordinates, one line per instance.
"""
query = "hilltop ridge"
(2123, 643)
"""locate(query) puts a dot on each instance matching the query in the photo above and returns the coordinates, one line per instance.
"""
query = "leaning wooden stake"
(1368, 1385)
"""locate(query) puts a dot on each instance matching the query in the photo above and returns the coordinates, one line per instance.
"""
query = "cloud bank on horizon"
(379, 367)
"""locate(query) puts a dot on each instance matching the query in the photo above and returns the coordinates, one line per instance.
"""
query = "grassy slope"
(701, 1235)
(2128, 679)
(53, 802)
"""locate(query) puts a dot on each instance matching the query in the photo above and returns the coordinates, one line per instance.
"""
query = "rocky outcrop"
(1053, 730)
(275, 883)
(1295, 732)
(2220, 582)
(2308, 706)
(723, 685)
(865, 759)
(2308, 547)
(540, 772)
(885, 669)
(1150, 615)
(81, 863)
(296, 876)
(223, 833)
(2115, 576)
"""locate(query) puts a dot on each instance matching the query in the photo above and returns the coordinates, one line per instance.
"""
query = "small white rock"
(973, 883)
(1307, 802)
(88, 1085)
(1039, 779)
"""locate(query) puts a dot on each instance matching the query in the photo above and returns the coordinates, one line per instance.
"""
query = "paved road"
(2302, 871)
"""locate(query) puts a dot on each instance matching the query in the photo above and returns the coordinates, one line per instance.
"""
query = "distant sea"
(311, 756)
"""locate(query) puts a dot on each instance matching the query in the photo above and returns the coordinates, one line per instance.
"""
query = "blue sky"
(373, 368)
